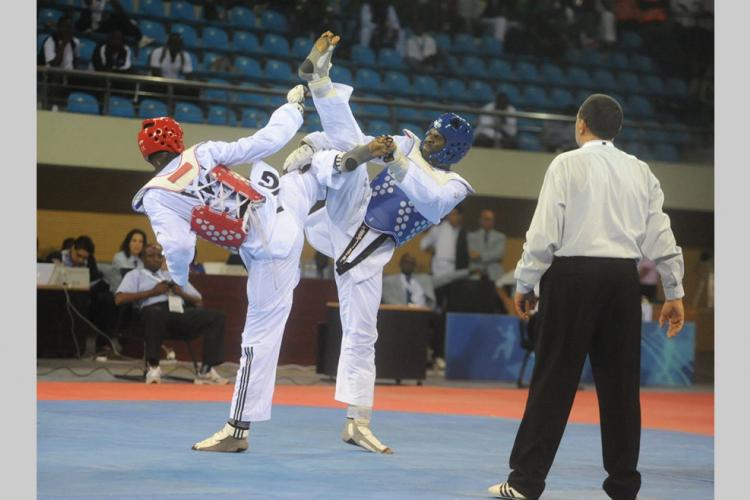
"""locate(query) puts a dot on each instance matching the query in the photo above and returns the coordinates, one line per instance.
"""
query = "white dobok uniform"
(271, 251)
(433, 192)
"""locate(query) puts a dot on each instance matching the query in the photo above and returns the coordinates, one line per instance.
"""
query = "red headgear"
(160, 134)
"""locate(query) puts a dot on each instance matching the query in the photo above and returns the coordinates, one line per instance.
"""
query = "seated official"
(164, 312)
(407, 288)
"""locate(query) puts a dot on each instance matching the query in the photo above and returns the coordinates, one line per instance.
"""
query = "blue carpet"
(142, 450)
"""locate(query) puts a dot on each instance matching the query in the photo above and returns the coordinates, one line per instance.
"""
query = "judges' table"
(60, 333)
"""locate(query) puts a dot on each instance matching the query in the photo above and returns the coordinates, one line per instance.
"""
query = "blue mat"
(142, 450)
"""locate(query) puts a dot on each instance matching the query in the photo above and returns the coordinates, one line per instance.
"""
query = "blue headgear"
(458, 137)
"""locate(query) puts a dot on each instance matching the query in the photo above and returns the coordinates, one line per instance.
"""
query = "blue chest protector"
(391, 212)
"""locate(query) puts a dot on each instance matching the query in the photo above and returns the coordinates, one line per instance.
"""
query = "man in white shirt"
(421, 49)
(408, 288)
(495, 130)
(487, 246)
(163, 314)
(170, 60)
(599, 212)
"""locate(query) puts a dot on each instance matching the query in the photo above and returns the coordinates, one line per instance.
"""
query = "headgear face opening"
(160, 134)
(458, 136)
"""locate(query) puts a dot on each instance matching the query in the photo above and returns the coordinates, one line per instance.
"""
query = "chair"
(528, 141)
(605, 80)
(367, 79)
(369, 111)
(151, 8)
(473, 67)
(86, 49)
(241, 17)
(153, 29)
(443, 41)
(340, 74)
(362, 55)
(188, 112)
(561, 99)
(618, 60)
(180, 9)
(677, 87)
(397, 83)
(463, 43)
(639, 106)
(273, 21)
(653, 84)
(275, 45)
(527, 71)
(453, 89)
(151, 108)
(387, 58)
(278, 70)
(188, 34)
(312, 123)
(256, 100)
(242, 41)
(81, 102)
(208, 59)
(500, 69)
(534, 97)
(413, 127)
(128, 5)
(666, 152)
(426, 87)
(48, 17)
(480, 91)
(511, 90)
(578, 76)
(490, 46)
(301, 47)
(144, 56)
(248, 66)
(629, 82)
(221, 115)
(120, 106)
(214, 38)
(377, 127)
(254, 118)
(552, 74)
(630, 40)
(216, 94)
(643, 63)
(408, 114)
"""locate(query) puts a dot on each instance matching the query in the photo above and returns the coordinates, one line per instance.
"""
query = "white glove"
(299, 159)
(297, 96)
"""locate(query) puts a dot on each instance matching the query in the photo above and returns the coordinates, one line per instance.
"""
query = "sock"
(359, 412)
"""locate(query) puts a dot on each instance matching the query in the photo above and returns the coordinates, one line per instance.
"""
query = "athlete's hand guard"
(297, 96)
(299, 159)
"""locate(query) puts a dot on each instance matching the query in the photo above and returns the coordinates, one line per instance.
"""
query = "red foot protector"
(217, 227)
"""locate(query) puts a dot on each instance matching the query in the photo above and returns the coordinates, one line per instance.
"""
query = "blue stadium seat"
(411, 126)
(120, 106)
(442, 40)
(367, 79)
(128, 5)
(153, 29)
(151, 108)
(561, 99)
(151, 7)
(527, 71)
(593, 57)
(480, 92)
(363, 55)
(642, 151)
(500, 69)
(256, 100)
(187, 112)
(242, 41)
(618, 60)
(578, 76)
(639, 106)
(208, 60)
(408, 114)
(301, 47)
(397, 83)
(604, 80)
(552, 74)
(143, 57)
(630, 40)
(453, 89)
(275, 45)
(377, 127)
(680, 136)
(221, 115)
(426, 87)
(216, 94)
(242, 17)
(180, 9)
(248, 66)
(463, 43)
(629, 82)
(312, 122)
(627, 134)
(490, 46)
(254, 118)
(340, 74)
(215, 38)
(47, 18)
(273, 21)
(278, 70)
(274, 101)
(528, 141)
(643, 63)
(390, 58)
(534, 97)
(86, 50)
(510, 90)
(473, 67)
(370, 111)
(677, 87)
(653, 84)
(81, 102)
(187, 32)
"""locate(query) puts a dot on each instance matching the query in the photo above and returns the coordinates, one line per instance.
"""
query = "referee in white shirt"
(599, 212)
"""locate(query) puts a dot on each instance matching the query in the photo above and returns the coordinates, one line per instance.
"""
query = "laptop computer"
(76, 277)
(44, 272)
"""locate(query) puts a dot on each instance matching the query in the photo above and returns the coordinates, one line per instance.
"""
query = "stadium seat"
(408, 114)
(627, 134)
(301, 47)
(643, 63)
(618, 60)
(681, 135)
(677, 87)
(463, 43)
(81, 102)
(189, 36)
(208, 59)
(629, 82)
(151, 8)
(363, 55)
(561, 99)
(248, 66)
(367, 79)
(86, 50)
(242, 41)
(370, 111)
(340, 74)
(578, 76)
(312, 122)
(216, 94)
(241, 17)
(128, 5)
(527, 71)
(273, 21)
(188, 112)
(426, 87)
(453, 89)
(534, 97)
(275, 45)
(510, 90)
(442, 40)
(143, 57)
(630, 40)
(640, 150)
(180, 9)
(278, 70)
(215, 38)
(221, 115)
(604, 80)
(120, 106)
(274, 100)
(153, 29)
(413, 127)
(480, 92)
(389, 58)
(377, 127)
(151, 108)
(528, 141)
(552, 74)
(397, 83)
(490, 46)
(639, 106)
(653, 84)
(256, 100)
(473, 67)
(500, 69)
(254, 118)
(47, 18)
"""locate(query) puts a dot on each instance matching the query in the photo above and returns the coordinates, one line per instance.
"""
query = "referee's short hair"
(602, 114)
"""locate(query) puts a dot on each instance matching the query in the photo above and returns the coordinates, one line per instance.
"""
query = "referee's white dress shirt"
(142, 280)
(598, 201)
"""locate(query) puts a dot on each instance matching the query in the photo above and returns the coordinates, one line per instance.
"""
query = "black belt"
(342, 266)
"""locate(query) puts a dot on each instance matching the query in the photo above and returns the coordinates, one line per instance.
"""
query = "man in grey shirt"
(599, 212)
(487, 246)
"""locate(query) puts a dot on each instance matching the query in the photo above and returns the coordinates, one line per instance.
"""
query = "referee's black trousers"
(158, 323)
(587, 306)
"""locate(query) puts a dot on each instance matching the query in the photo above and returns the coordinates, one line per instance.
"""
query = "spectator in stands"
(112, 55)
(380, 26)
(495, 130)
(56, 256)
(214, 10)
(470, 12)
(166, 310)
(408, 288)
(171, 60)
(495, 19)
(608, 23)
(487, 246)
(96, 18)
(557, 136)
(222, 64)
(131, 250)
(421, 49)
(61, 49)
